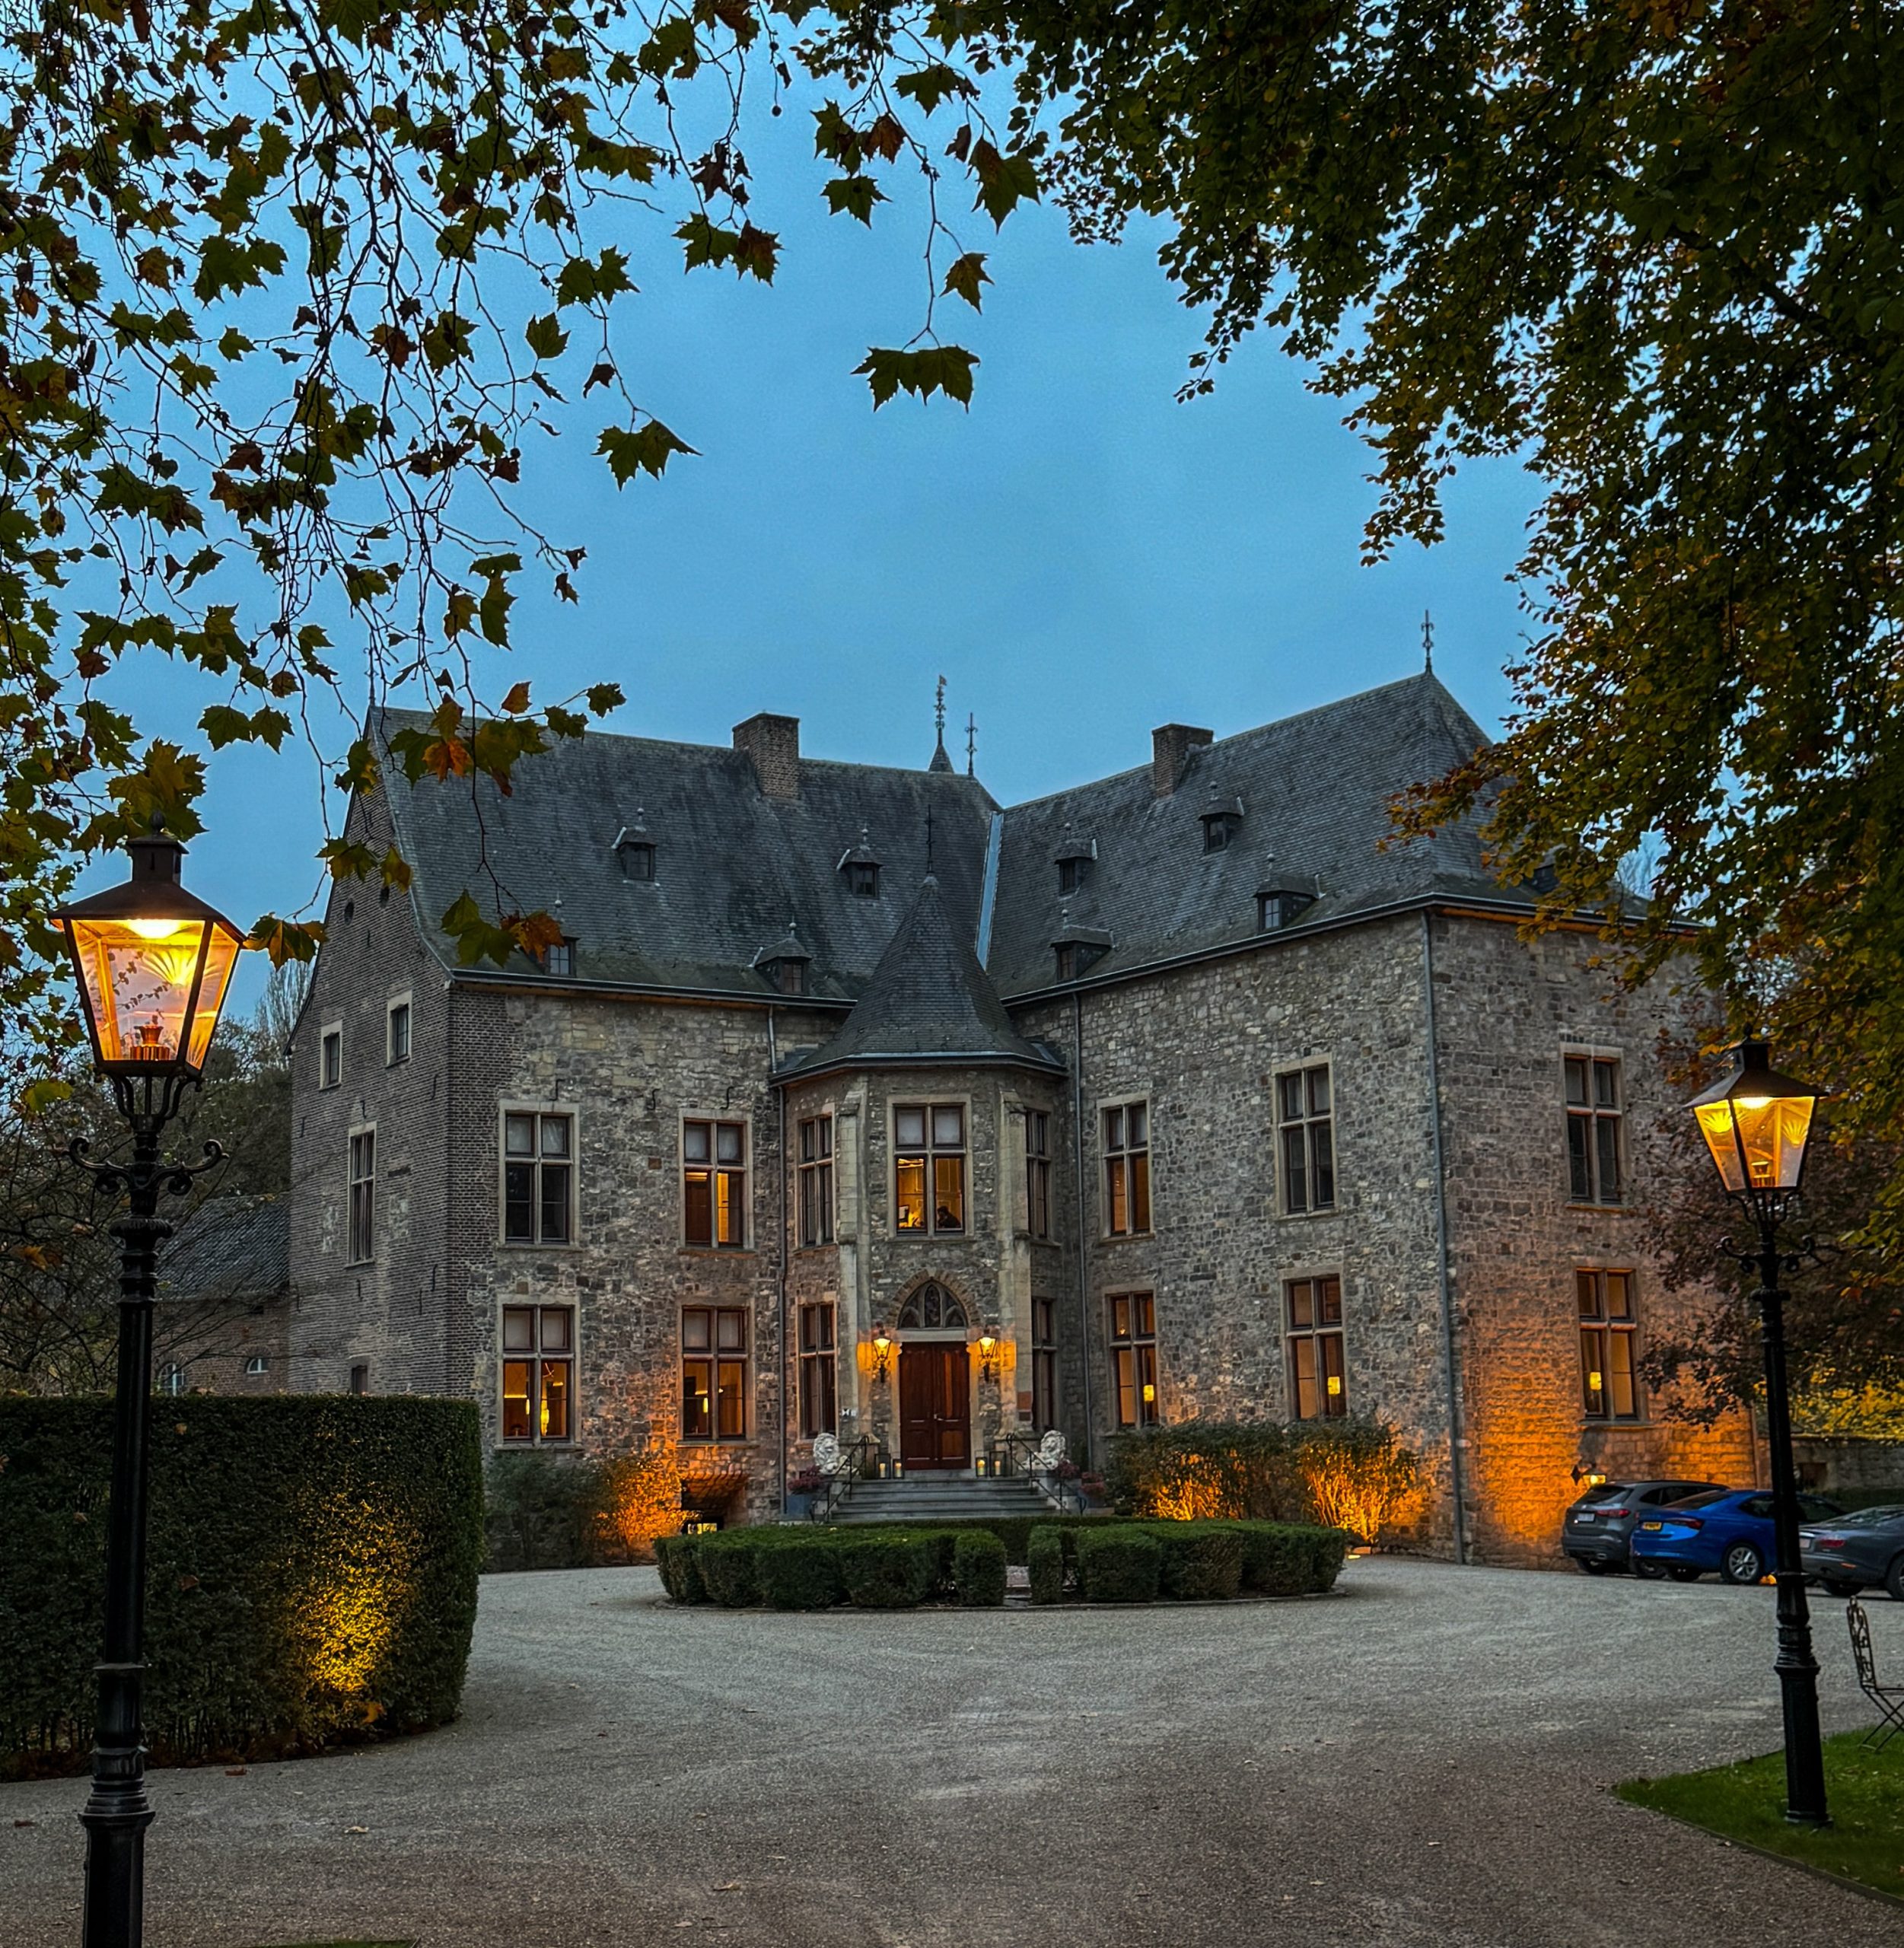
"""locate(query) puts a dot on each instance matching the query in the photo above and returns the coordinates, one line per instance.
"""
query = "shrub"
(800, 1572)
(543, 1511)
(1280, 1559)
(730, 1566)
(979, 1571)
(1202, 1561)
(1119, 1562)
(678, 1557)
(313, 1572)
(1046, 1552)
(1360, 1478)
(894, 1571)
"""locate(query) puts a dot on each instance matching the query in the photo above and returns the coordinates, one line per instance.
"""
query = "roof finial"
(971, 744)
(1427, 644)
(940, 761)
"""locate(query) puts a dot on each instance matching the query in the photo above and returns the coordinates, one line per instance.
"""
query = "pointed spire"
(971, 745)
(1427, 644)
(940, 761)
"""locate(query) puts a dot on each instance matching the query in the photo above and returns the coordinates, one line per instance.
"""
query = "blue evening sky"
(1082, 557)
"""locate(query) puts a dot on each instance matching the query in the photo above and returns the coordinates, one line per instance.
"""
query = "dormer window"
(1280, 906)
(783, 966)
(1076, 958)
(1222, 820)
(789, 976)
(634, 850)
(1072, 874)
(859, 864)
(559, 959)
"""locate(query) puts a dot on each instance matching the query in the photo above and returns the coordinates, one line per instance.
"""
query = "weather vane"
(1427, 644)
(938, 711)
(971, 744)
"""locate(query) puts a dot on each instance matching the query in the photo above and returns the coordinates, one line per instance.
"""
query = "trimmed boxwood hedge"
(888, 1572)
(1202, 1561)
(979, 1571)
(1118, 1564)
(313, 1566)
(1046, 1551)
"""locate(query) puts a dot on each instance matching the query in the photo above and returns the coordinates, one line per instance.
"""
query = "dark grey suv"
(1852, 1552)
(1598, 1526)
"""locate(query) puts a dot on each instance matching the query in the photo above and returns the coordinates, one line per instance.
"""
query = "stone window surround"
(566, 1302)
(1603, 1262)
(507, 1106)
(929, 1100)
(1322, 1058)
(400, 999)
(1125, 1099)
(750, 1237)
(1021, 1162)
(749, 1378)
(828, 1113)
(1575, 1049)
(324, 1035)
(1311, 1270)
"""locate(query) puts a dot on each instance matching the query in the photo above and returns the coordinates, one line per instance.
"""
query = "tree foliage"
(290, 290)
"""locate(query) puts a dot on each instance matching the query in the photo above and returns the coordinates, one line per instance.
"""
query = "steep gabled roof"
(235, 1248)
(1313, 792)
(928, 1001)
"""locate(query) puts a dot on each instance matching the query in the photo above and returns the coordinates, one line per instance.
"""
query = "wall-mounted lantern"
(988, 1359)
(882, 1354)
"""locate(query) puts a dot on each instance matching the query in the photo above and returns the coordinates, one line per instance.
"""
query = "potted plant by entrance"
(803, 1486)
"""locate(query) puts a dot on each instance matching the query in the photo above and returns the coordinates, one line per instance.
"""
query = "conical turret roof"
(928, 1001)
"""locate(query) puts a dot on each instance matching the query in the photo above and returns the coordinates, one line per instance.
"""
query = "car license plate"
(1652, 1527)
(1583, 1518)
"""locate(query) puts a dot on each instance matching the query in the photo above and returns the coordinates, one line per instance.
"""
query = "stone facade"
(1450, 1231)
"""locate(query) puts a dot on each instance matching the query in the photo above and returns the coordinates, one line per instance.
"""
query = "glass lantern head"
(1756, 1124)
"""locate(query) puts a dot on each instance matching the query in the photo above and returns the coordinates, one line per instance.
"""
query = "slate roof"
(237, 1248)
(732, 865)
(1314, 790)
(928, 1000)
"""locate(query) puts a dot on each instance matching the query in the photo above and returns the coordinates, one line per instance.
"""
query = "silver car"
(1856, 1552)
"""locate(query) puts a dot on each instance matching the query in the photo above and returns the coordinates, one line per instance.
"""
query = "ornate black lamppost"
(1757, 1123)
(152, 963)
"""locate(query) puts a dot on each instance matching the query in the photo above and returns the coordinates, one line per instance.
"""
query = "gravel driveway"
(1421, 1758)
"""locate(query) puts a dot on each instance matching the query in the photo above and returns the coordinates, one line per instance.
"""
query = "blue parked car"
(1728, 1529)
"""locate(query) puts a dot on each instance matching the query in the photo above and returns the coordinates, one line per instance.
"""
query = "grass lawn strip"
(1745, 1803)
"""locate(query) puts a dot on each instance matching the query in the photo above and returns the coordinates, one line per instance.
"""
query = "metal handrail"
(1016, 1454)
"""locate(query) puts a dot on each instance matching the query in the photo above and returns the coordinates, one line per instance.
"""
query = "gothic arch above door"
(932, 1308)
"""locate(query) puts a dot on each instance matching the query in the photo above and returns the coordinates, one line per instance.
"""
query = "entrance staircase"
(947, 1498)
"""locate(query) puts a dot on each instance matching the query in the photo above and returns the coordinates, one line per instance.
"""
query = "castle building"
(851, 1102)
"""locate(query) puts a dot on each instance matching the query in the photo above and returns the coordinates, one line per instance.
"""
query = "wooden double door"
(935, 1406)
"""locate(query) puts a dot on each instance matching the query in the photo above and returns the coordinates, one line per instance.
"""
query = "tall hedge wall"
(313, 1565)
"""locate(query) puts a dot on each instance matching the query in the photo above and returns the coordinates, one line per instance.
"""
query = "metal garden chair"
(1888, 1699)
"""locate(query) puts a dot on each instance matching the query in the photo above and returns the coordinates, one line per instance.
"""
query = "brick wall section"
(388, 1315)
(1506, 1012)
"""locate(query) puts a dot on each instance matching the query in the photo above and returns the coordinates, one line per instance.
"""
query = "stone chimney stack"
(1171, 747)
(773, 743)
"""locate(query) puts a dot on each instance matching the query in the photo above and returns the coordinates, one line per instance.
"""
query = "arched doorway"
(934, 1381)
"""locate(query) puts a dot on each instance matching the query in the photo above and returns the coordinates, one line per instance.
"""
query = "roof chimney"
(773, 743)
(1171, 746)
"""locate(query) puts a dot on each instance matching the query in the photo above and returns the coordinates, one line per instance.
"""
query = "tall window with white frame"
(714, 1184)
(1609, 1388)
(538, 1374)
(1318, 1379)
(928, 1167)
(1133, 1351)
(330, 1056)
(713, 1373)
(363, 1196)
(396, 1032)
(819, 1372)
(1044, 1363)
(538, 1178)
(1127, 1169)
(1038, 1174)
(1596, 1145)
(815, 1169)
(1306, 1132)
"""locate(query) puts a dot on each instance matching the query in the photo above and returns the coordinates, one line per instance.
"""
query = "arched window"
(933, 1309)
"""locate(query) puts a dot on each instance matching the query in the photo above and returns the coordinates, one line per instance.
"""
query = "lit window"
(538, 1179)
(1133, 1349)
(538, 1374)
(1318, 1382)
(1127, 1170)
(396, 1045)
(363, 1197)
(1594, 1172)
(1609, 1336)
(819, 1372)
(713, 1373)
(1044, 1363)
(714, 1184)
(816, 1198)
(331, 1057)
(928, 1167)
(1038, 1174)
(1306, 1129)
